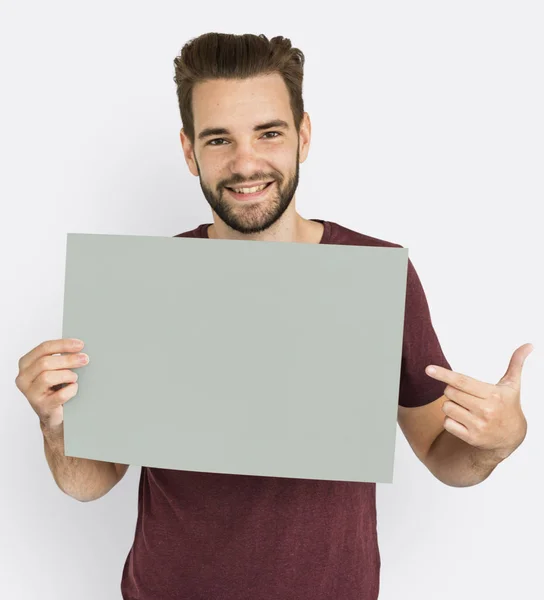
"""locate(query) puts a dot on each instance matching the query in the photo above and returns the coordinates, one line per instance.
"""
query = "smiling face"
(245, 135)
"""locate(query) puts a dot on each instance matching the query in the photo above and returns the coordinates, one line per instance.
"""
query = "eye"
(210, 143)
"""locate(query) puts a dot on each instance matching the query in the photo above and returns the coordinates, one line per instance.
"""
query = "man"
(208, 535)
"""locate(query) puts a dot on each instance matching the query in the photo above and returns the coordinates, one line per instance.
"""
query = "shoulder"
(338, 234)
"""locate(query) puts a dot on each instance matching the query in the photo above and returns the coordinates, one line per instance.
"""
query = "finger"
(468, 401)
(50, 404)
(47, 348)
(47, 380)
(49, 363)
(456, 429)
(512, 376)
(462, 382)
(460, 414)
(53, 363)
(62, 395)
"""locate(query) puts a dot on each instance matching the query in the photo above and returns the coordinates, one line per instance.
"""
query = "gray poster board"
(241, 357)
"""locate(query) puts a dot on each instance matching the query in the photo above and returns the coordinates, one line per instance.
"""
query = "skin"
(245, 156)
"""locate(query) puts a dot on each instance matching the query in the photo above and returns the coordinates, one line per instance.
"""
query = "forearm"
(458, 464)
(81, 478)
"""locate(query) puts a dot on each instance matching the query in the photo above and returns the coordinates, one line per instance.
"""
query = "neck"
(290, 228)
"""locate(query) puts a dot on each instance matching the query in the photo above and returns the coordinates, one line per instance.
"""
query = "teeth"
(250, 190)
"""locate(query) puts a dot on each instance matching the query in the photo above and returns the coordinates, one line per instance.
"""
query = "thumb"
(512, 377)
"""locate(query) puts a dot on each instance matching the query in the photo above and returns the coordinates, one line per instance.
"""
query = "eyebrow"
(209, 131)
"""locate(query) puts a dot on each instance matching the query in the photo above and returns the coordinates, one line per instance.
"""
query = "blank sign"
(242, 357)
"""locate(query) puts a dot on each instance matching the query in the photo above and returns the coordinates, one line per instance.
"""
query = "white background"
(428, 131)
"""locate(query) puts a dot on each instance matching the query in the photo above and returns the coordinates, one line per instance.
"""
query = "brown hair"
(230, 56)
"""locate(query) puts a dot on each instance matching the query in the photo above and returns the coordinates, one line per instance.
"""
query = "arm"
(81, 478)
(483, 426)
(463, 435)
(448, 458)
(458, 464)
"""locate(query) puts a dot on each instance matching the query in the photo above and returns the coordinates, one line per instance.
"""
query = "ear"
(188, 153)
(305, 135)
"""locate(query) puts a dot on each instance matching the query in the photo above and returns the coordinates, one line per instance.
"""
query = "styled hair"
(229, 56)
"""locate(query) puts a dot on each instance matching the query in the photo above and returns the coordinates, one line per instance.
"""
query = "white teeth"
(250, 190)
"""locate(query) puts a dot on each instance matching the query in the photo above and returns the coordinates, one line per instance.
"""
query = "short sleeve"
(420, 348)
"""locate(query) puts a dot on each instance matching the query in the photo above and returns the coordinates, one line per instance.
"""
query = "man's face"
(235, 155)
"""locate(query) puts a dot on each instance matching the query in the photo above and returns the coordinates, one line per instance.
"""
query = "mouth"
(251, 196)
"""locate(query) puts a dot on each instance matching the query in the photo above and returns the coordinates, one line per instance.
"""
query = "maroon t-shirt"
(209, 536)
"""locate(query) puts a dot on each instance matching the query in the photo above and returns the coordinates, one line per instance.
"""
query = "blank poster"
(242, 357)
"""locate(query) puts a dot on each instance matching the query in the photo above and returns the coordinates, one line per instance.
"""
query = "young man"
(236, 537)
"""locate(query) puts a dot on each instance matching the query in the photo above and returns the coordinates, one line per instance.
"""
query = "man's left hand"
(484, 415)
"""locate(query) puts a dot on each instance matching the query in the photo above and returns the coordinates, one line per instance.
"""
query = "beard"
(252, 217)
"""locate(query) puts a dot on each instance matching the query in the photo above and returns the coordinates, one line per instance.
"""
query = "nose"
(246, 160)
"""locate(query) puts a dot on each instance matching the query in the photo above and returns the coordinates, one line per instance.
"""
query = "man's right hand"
(47, 381)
